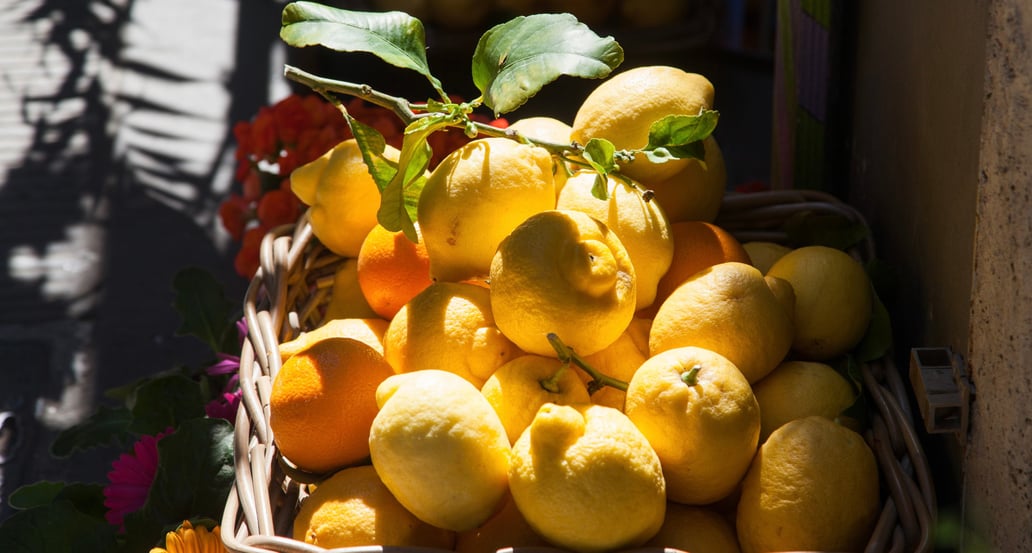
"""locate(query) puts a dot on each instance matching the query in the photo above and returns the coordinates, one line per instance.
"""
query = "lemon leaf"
(395, 37)
(397, 204)
(878, 338)
(372, 145)
(514, 60)
(680, 136)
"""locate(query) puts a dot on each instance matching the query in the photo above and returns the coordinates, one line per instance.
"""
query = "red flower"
(246, 261)
(235, 212)
(130, 479)
(278, 207)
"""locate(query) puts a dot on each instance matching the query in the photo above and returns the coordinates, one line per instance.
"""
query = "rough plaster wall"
(916, 122)
(998, 464)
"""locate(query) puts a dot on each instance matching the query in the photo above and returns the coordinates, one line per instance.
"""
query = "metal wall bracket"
(942, 389)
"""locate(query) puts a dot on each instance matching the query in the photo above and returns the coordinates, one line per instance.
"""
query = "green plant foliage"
(514, 60)
(395, 37)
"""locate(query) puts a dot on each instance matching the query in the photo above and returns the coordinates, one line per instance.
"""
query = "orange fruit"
(323, 403)
(697, 246)
(391, 270)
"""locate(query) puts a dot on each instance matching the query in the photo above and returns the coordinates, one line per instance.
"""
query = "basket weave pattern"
(292, 286)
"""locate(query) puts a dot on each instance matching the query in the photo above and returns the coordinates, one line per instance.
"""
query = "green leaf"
(87, 498)
(57, 527)
(681, 136)
(395, 37)
(599, 153)
(205, 310)
(514, 60)
(106, 426)
(397, 207)
(165, 402)
(878, 339)
(859, 412)
(372, 145)
(195, 473)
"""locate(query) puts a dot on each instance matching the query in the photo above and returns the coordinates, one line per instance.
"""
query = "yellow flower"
(187, 539)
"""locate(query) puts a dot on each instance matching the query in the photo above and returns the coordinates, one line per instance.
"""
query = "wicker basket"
(292, 286)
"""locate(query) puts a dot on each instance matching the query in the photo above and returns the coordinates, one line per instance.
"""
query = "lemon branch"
(598, 379)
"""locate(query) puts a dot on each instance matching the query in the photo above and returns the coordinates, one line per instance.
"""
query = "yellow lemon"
(695, 528)
(797, 389)
(507, 528)
(620, 361)
(353, 508)
(342, 195)
(727, 308)
(543, 128)
(440, 448)
(762, 254)
(641, 226)
(562, 272)
(518, 388)
(368, 331)
(448, 326)
(812, 486)
(833, 300)
(587, 463)
(696, 192)
(622, 109)
(475, 197)
(699, 414)
(346, 298)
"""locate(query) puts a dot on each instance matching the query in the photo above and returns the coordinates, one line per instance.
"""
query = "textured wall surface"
(998, 464)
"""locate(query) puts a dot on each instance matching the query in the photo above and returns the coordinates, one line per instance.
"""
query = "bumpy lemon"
(696, 192)
(642, 226)
(475, 197)
(342, 195)
(813, 486)
(520, 387)
(624, 107)
(699, 414)
(727, 308)
(353, 508)
(440, 448)
(562, 272)
(833, 300)
(448, 326)
(586, 479)
(797, 389)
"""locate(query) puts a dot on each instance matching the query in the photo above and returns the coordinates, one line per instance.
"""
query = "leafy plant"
(512, 62)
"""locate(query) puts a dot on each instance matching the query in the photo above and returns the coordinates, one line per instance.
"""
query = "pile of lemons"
(451, 397)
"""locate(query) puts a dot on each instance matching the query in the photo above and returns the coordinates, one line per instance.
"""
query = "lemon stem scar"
(691, 376)
(567, 355)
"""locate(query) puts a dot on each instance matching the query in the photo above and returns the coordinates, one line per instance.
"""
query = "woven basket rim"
(295, 275)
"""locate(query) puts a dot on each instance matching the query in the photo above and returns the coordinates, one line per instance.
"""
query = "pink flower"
(130, 479)
(227, 364)
(224, 407)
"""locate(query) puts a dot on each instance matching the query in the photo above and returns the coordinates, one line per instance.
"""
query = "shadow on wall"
(123, 113)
